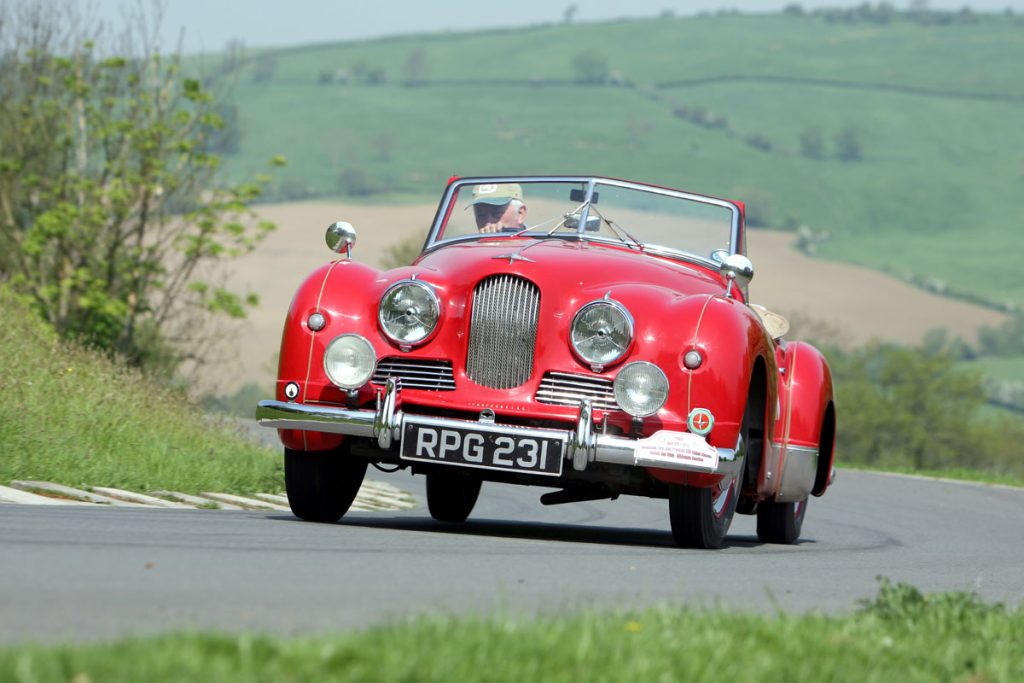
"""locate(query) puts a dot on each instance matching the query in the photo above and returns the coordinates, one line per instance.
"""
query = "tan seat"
(776, 324)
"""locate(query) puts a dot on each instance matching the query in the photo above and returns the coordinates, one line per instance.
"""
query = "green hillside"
(901, 140)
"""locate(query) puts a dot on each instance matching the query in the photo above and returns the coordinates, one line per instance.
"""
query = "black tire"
(780, 522)
(701, 517)
(452, 495)
(322, 485)
(695, 521)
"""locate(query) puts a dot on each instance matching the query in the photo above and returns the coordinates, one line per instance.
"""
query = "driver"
(499, 207)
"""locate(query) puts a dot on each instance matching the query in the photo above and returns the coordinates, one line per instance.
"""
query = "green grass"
(1010, 368)
(937, 110)
(901, 635)
(960, 473)
(74, 417)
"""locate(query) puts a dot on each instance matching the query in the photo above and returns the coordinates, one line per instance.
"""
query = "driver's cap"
(496, 193)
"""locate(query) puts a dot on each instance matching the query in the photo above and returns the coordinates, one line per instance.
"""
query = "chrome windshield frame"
(592, 183)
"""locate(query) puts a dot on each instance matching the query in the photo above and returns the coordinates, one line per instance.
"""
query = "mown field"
(720, 104)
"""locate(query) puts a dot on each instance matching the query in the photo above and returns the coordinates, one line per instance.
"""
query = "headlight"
(641, 389)
(601, 332)
(349, 361)
(409, 312)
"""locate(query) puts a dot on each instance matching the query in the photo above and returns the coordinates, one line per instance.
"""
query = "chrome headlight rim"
(435, 300)
(618, 388)
(371, 354)
(599, 364)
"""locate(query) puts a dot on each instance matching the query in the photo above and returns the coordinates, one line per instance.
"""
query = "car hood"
(572, 267)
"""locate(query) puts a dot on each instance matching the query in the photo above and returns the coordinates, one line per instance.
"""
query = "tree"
(416, 67)
(848, 145)
(903, 406)
(812, 144)
(590, 67)
(111, 216)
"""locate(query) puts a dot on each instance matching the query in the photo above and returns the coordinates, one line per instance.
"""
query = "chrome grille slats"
(502, 331)
(416, 373)
(565, 389)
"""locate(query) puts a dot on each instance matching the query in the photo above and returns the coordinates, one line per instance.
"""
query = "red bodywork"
(677, 306)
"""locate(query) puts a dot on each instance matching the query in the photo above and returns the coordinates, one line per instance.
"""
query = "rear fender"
(802, 455)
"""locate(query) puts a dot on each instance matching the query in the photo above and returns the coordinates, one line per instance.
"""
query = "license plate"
(486, 448)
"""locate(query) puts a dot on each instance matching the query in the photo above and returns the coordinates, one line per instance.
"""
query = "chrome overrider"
(582, 446)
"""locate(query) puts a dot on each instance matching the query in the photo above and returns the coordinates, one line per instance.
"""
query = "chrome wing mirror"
(341, 237)
(736, 268)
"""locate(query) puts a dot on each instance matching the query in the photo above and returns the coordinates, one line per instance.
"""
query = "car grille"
(416, 373)
(502, 331)
(563, 389)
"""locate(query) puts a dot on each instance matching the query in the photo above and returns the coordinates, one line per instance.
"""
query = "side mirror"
(736, 268)
(341, 237)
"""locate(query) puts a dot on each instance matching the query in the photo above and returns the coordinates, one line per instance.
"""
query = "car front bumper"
(584, 445)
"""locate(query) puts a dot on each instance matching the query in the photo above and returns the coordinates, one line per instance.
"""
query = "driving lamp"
(641, 389)
(349, 361)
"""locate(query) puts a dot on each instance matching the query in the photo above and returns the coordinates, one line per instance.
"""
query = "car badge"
(700, 421)
(513, 257)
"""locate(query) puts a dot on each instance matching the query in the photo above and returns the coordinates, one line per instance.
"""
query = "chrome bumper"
(385, 424)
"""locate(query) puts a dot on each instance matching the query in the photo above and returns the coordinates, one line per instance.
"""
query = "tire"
(780, 522)
(322, 485)
(452, 495)
(701, 517)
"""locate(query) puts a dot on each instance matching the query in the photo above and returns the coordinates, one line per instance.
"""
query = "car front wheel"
(701, 517)
(452, 495)
(322, 485)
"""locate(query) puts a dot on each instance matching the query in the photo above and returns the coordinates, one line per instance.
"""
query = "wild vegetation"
(901, 634)
(74, 416)
(111, 212)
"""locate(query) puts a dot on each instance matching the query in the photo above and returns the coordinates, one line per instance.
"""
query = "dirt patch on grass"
(854, 303)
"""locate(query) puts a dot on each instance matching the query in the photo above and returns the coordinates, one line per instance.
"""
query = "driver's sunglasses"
(488, 213)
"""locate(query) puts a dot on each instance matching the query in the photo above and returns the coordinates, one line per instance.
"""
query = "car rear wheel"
(322, 485)
(452, 495)
(780, 522)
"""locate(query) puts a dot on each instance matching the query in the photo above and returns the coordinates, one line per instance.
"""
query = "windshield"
(641, 217)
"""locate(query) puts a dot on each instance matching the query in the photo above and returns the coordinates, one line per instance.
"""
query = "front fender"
(733, 343)
(338, 292)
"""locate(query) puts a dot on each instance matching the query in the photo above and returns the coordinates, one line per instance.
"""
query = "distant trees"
(847, 144)
(914, 407)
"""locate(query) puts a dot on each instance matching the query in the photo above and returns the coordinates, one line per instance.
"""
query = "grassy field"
(901, 635)
(717, 104)
(73, 417)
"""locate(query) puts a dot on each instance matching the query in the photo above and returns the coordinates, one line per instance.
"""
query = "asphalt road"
(95, 572)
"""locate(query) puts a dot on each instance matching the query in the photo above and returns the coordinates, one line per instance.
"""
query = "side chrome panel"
(797, 478)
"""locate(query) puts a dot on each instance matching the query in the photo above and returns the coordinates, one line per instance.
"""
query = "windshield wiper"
(619, 231)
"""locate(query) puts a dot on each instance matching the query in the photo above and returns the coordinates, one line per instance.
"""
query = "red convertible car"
(585, 334)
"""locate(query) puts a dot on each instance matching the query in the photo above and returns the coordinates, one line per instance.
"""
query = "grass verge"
(959, 474)
(72, 416)
(900, 635)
